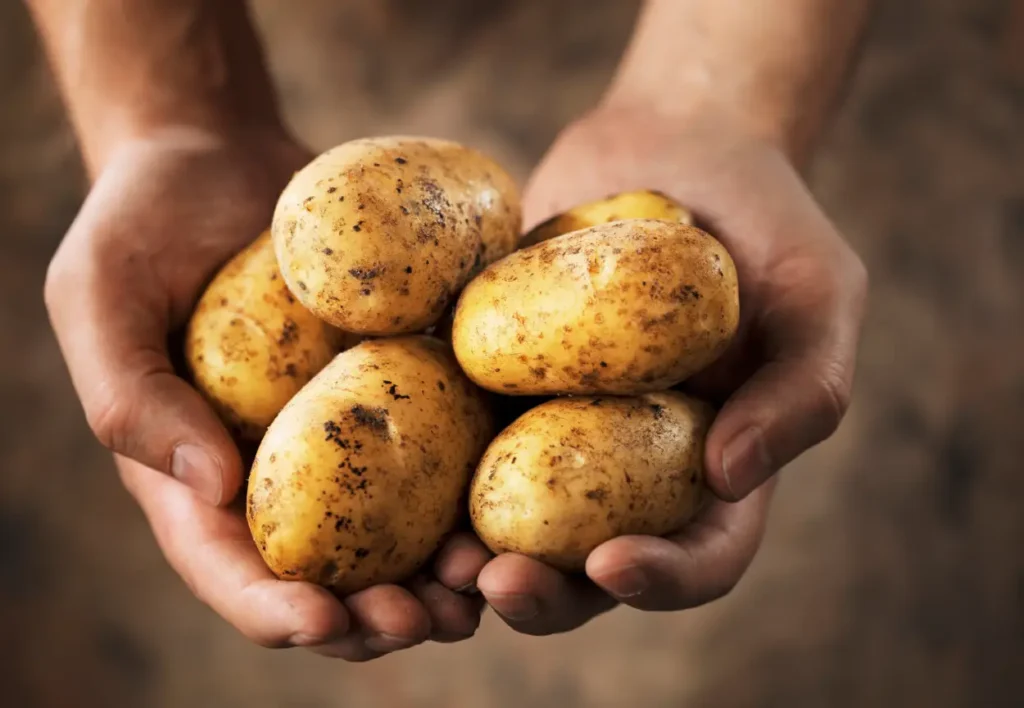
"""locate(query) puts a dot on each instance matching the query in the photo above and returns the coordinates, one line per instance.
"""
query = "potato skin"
(639, 204)
(364, 472)
(573, 473)
(378, 236)
(621, 308)
(250, 346)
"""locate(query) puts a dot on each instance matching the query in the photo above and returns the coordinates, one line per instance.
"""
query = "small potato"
(250, 346)
(573, 473)
(378, 236)
(641, 204)
(621, 308)
(365, 471)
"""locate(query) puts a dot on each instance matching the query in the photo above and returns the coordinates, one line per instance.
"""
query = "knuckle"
(194, 588)
(833, 395)
(859, 275)
(53, 285)
(110, 415)
(719, 590)
(249, 623)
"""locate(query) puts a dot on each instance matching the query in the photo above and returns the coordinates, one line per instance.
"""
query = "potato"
(573, 473)
(378, 236)
(250, 346)
(640, 204)
(621, 308)
(365, 471)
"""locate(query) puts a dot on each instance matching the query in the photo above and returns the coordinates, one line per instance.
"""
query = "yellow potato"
(250, 346)
(621, 308)
(640, 204)
(365, 471)
(378, 236)
(573, 473)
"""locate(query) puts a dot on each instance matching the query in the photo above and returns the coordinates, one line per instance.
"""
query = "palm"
(785, 377)
(163, 216)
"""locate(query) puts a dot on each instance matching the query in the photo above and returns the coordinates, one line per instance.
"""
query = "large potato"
(621, 308)
(639, 204)
(364, 472)
(573, 473)
(250, 346)
(377, 236)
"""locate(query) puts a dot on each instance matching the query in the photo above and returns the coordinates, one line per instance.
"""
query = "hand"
(785, 382)
(164, 214)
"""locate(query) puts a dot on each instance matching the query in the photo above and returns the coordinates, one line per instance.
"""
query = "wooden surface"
(893, 572)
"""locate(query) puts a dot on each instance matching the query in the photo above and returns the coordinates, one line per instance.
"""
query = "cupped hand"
(164, 213)
(783, 386)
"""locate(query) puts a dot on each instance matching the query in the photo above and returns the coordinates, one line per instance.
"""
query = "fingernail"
(625, 582)
(192, 466)
(745, 463)
(385, 643)
(517, 608)
(468, 589)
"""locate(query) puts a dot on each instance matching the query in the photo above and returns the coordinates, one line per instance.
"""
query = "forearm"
(775, 67)
(132, 68)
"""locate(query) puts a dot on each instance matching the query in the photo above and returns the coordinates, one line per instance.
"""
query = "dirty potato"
(573, 473)
(621, 308)
(377, 236)
(250, 346)
(364, 472)
(640, 204)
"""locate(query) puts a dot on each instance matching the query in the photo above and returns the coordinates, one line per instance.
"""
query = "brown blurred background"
(893, 572)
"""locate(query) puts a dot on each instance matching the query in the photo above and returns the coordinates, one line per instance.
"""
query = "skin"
(725, 135)
(184, 173)
(716, 104)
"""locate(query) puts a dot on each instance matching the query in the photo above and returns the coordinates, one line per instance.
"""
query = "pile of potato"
(330, 342)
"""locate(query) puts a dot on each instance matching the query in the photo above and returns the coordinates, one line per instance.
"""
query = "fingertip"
(391, 612)
(744, 464)
(537, 599)
(610, 555)
(513, 574)
(515, 586)
(202, 472)
(226, 457)
(204, 457)
(453, 617)
(318, 616)
(622, 567)
(460, 561)
(275, 614)
(736, 457)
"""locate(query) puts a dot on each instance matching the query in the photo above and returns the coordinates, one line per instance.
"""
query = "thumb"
(795, 400)
(784, 409)
(111, 320)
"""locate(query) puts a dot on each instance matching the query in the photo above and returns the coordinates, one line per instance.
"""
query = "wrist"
(129, 70)
(116, 130)
(700, 122)
(702, 115)
(270, 143)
